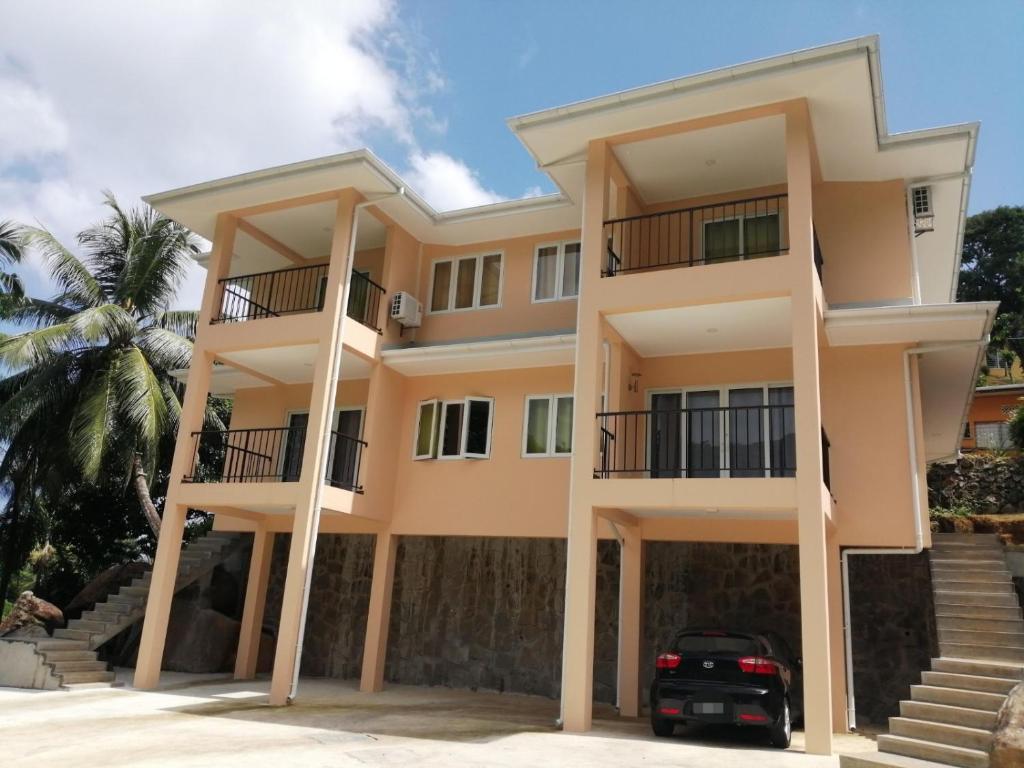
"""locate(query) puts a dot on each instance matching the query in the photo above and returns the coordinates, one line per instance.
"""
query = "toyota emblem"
(709, 665)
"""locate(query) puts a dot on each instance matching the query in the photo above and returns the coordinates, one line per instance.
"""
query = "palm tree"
(89, 384)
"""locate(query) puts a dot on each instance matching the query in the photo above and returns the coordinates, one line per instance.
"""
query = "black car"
(726, 677)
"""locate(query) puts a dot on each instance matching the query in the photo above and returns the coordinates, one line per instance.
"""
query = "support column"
(811, 494)
(379, 613)
(255, 601)
(631, 584)
(581, 556)
(321, 402)
(836, 634)
(193, 410)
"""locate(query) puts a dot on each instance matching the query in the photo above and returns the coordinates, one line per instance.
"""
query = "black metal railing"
(344, 460)
(364, 300)
(247, 455)
(707, 234)
(729, 441)
(272, 294)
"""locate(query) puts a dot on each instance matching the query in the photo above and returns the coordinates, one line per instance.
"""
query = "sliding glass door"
(703, 434)
(666, 455)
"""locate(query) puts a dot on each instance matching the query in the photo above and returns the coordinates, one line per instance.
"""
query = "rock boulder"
(1008, 740)
(29, 615)
(199, 639)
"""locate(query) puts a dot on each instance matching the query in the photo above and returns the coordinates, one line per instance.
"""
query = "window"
(921, 197)
(556, 272)
(547, 425)
(741, 237)
(454, 429)
(993, 435)
(466, 282)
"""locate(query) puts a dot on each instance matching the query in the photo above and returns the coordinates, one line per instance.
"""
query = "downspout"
(915, 490)
(307, 582)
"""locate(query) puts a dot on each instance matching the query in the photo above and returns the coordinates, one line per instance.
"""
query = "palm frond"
(37, 346)
(37, 311)
(73, 277)
(93, 420)
(140, 399)
(173, 405)
(12, 242)
(180, 321)
(165, 351)
(106, 322)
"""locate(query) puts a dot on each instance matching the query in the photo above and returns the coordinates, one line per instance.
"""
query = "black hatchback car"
(726, 677)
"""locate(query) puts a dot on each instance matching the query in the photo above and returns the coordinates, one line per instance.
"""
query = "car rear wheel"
(662, 727)
(781, 732)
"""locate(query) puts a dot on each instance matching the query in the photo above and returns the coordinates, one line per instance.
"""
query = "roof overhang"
(489, 355)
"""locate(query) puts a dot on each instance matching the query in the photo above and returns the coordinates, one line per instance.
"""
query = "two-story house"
(734, 322)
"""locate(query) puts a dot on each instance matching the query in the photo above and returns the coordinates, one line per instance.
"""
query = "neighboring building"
(733, 323)
(988, 421)
(1001, 367)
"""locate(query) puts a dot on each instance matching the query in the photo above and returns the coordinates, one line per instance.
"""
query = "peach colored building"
(987, 426)
(734, 322)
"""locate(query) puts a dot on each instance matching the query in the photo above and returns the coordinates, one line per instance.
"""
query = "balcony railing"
(730, 441)
(689, 237)
(294, 291)
(270, 455)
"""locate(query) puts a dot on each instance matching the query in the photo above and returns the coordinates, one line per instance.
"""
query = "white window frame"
(741, 218)
(560, 245)
(552, 400)
(723, 400)
(435, 429)
(477, 282)
(442, 407)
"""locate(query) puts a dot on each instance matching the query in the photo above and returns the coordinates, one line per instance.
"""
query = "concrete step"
(60, 644)
(1004, 599)
(90, 686)
(142, 581)
(64, 667)
(972, 574)
(967, 551)
(1007, 670)
(968, 637)
(87, 625)
(884, 760)
(947, 754)
(948, 585)
(942, 733)
(123, 599)
(969, 682)
(994, 563)
(976, 624)
(957, 697)
(946, 713)
(72, 634)
(59, 657)
(978, 652)
(105, 616)
(985, 612)
(95, 676)
(134, 591)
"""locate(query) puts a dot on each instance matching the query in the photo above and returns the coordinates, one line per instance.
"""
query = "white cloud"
(446, 182)
(139, 97)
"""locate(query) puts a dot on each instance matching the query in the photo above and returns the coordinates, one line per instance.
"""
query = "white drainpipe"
(915, 478)
(333, 390)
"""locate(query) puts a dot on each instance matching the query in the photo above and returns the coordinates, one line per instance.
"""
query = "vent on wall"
(921, 204)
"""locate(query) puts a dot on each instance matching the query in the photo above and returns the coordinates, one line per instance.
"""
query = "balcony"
(688, 237)
(270, 455)
(715, 442)
(294, 291)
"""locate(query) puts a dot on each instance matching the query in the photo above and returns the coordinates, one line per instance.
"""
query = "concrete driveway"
(221, 723)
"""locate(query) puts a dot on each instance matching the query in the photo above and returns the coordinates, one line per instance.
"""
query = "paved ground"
(201, 721)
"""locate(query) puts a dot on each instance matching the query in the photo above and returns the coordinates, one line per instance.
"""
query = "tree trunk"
(142, 491)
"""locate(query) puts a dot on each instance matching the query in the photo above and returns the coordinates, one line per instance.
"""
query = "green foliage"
(1017, 429)
(992, 269)
(957, 510)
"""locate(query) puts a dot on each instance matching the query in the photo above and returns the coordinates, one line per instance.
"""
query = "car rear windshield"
(707, 644)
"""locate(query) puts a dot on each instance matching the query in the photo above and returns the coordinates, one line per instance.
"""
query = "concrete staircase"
(69, 659)
(951, 716)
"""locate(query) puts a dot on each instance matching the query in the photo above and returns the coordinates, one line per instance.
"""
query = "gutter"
(325, 428)
(915, 489)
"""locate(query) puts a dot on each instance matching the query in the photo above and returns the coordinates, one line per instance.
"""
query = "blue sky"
(143, 97)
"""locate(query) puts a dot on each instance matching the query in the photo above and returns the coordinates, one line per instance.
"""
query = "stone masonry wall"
(487, 613)
(892, 618)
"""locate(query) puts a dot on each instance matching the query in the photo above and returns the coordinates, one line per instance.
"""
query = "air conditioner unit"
(406, 309)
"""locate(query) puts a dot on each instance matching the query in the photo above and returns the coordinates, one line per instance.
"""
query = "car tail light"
(668, 661)
(748, 718)
(758, 665)
(669, 711)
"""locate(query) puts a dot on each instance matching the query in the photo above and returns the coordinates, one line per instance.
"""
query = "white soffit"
(910, 324)
(294, 365)
(494, 355)
(725, 327)
(705, 162)
(947, 385)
